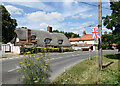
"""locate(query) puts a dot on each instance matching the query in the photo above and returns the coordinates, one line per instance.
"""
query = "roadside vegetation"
(35, 50)
(34, 70)
(87, 72)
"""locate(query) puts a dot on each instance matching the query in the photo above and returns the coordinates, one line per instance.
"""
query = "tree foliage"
(8, 25)
(107, 41)
(112, 22)
(67, 34)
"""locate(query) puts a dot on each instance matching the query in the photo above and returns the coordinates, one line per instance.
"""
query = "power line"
(93, 5)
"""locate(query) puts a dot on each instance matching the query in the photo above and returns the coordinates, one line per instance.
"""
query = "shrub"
(66, 49)
(85, 49)
(34, 70)
(32, 50)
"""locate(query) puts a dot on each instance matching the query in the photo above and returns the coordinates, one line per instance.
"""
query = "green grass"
(87, 72)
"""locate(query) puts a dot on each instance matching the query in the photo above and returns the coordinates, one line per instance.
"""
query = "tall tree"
(113, 21)
(8, 25)
(67, 34)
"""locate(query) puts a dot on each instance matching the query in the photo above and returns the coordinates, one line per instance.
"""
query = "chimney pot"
(49, 29)
(72, 36)
(84, 33)
(28, 35)
(105, 32)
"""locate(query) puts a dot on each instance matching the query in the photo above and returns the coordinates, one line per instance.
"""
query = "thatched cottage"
(28, 37)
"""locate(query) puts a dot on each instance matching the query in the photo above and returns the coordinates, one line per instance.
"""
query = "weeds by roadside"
(34, 70)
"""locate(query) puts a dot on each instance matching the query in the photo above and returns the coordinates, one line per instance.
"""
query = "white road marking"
(56, 58)
(17, 67)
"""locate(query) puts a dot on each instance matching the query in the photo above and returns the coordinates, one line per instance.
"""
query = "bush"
(32, 50)
(85, 49)
(34, 70)
(66, 49)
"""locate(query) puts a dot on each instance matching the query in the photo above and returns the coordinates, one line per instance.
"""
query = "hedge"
(33, 50)
(84, 49)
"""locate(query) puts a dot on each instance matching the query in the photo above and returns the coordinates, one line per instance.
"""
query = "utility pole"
(100, 33)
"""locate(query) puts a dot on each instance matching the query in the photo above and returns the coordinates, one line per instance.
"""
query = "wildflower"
(20, 62)
(28, 64)
(47, 61)
(37, 58)
(43, 69)
(28, 52)
(34, 78)
(36, 81)
(22, 65)
(46, 64)
(41, 56)
(17, 70)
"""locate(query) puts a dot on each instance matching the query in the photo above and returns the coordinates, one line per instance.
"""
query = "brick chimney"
(84, 33)
(105, 32)
(49, 29)
(72, 36)
(28, 35)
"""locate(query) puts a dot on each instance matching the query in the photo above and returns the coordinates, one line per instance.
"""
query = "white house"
(85, 41)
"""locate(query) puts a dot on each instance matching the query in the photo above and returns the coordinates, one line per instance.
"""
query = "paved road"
(58, 64)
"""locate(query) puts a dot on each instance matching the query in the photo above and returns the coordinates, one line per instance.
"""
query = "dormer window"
(60, 41)
(47, 40)
(33, 37)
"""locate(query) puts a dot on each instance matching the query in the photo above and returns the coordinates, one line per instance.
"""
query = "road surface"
(58, 63)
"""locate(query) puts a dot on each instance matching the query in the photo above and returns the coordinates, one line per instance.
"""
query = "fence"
(5, 47)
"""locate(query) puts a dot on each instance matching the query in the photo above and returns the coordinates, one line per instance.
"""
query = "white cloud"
(41, 17)
(83, 15)
(14, 10)
(36, 5)
(82, 27)
(71, 10)
(75, 17)
(43, 25)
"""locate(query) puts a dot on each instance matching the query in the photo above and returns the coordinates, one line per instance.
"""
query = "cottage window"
(47, 40)
(33, 37)
(60, 41)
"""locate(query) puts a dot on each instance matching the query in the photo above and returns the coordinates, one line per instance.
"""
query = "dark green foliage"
(67, 34)
(113, 56)
(113, 22)
(107, 41)
(8, 25)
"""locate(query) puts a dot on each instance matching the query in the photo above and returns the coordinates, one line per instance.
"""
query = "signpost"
(90, 50)
(96, 35)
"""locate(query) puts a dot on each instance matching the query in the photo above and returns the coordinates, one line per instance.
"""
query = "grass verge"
(87, 72)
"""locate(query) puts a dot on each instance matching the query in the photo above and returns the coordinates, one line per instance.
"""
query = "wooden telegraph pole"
(100, 33)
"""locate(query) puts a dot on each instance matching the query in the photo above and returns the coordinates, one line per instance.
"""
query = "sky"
(69, 16)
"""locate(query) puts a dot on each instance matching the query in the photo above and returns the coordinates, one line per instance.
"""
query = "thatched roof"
(42, 35)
